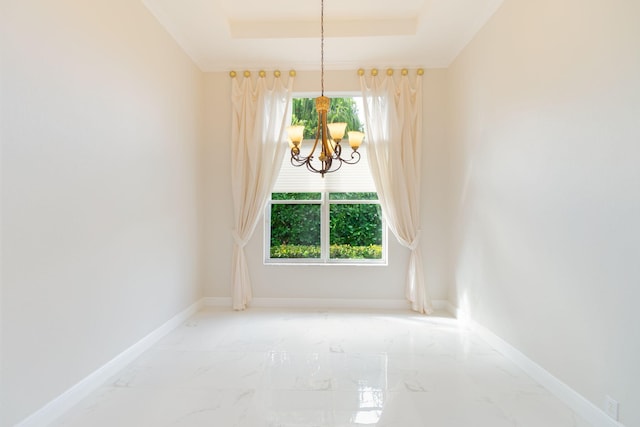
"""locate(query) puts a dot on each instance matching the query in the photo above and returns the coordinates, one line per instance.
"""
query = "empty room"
(320, 213)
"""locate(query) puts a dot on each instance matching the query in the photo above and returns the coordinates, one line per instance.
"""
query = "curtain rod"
(261, 73)
(390, 71)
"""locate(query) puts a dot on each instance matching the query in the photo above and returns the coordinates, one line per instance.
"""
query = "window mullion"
(324, 246)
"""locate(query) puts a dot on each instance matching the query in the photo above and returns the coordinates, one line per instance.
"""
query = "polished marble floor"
(294, 368)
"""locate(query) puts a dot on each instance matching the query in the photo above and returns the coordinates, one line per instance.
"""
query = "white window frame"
(325, 207)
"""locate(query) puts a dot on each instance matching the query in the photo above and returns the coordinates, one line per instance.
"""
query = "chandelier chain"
(322, 45)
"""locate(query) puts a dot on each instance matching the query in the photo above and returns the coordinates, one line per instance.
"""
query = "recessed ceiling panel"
(224, 34)
(332, 28)
(310, 9)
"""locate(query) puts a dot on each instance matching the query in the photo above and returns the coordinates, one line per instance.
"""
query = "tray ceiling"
(224, 34)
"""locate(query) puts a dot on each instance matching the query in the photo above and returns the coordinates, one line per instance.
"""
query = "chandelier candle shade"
(328, 135)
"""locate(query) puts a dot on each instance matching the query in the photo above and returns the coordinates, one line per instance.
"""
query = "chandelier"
(328, 136)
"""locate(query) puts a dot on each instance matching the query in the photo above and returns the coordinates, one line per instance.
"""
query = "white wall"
(101, 132)
(331, 282)
(545, 141)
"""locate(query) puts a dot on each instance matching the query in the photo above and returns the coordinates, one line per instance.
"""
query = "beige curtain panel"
(393, 118)
(261, 114)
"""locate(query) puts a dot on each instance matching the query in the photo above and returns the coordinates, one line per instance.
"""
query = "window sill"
(306, 263)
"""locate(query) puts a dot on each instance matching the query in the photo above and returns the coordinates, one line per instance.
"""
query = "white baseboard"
(217, 302)
(320, 303)
(578, 403)
(445, 305)
(64, 402)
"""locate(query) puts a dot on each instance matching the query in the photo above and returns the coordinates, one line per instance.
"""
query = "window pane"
(295, 196)
(353, 196)
(355, 231)
(340, 110)
(295, 231)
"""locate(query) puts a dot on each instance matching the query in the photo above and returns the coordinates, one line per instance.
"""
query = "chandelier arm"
(326, 165)
(299, 161)
(306, 162)
(337, 150)
(311, 168)
(355, 158)
(313, 149)
(339, 165)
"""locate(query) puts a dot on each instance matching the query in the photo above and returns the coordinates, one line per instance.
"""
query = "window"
(325, 227)
(335, 219)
